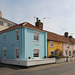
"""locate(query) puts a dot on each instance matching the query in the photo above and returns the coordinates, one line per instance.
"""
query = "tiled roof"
(50, 35)
(55, 37)
(72, 40)
(25, 24)
(32, 26)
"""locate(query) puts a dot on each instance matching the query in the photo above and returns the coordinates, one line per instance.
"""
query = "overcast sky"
(59, 14)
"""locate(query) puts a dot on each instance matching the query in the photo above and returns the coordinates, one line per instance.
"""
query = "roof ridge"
(24, 23)
(54, 33)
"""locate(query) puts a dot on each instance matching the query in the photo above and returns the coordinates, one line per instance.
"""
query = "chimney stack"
(0, 14)
(66, 34)
(39, 24)
(37, 20)
(70, 36)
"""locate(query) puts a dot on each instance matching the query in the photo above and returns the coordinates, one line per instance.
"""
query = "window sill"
(17, 40)
(51, 46)
(36, 41)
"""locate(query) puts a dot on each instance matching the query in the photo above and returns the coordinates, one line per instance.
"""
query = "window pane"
(5, 24)
(69, 53)
(51, 44)
(67, 45)
(66, 53)
(1, 22)
(61, 44)
(17, 35)
(36, 36)
(36, 52)
(52, 52)
(17, 53)
(4, 52)
(9, 25)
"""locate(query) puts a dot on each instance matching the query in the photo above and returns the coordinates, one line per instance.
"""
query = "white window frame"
(38, 50)
(17, 35)
(50, 43)
(1, 23)
(61, 44)
(5, 24)
(53, 51)
(67, 46)
(74, 47)
(69, 54)
(35, 32)
(4, 51)
(15, 53)
(4, 36)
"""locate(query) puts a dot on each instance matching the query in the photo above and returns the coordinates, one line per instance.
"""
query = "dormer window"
(17, 34)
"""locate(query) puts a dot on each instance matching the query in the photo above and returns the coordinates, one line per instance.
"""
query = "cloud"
(61, 13)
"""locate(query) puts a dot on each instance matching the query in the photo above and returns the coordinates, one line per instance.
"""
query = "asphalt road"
(67, 68)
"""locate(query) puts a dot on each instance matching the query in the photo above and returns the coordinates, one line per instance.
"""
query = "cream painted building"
(2, 27)
(4, 23)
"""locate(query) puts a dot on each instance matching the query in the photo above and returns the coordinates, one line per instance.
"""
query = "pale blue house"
(23, 43)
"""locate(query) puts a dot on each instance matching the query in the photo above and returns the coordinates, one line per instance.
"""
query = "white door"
(4, 52)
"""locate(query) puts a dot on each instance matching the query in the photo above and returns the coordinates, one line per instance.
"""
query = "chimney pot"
(66, 34)
(70, 36)
(37, 19)
(39, 24)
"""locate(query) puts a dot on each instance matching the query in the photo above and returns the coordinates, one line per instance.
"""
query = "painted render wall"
(65, 48)
(10, 43)
(26, 43)
(30, 44)
(57, 45)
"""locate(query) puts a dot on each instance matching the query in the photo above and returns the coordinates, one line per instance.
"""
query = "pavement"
(66, 68)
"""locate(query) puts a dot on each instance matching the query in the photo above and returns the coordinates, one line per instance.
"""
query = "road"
(67, 68)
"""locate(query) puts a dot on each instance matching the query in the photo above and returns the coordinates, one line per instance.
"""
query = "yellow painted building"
(53, 46)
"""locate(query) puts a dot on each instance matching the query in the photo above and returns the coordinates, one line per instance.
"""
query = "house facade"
(2, 27)
(4, 23)
(59, 45)
(68, 50)
(73, 46)
(67, 47)
(22, 42)
(54, 44)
